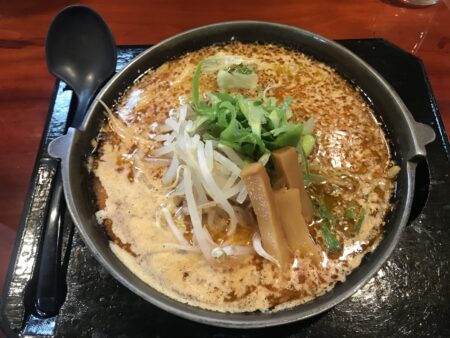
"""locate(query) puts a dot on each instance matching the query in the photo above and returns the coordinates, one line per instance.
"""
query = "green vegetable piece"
(240, 68)
(271, 104)
(225, 110)
(306, 173)
(289, 138)
(227, 80)
(316, 178)
(350, 212)
(255, 115)
(207, 137)
(277, 131)
(285, 108)
(328, 221)
(226, 97)
(227, 62)
(199, 106)
(308, 141)
(360, 222)
(199, 121)
(233, 131)
(242, 139)
(213, 98)
(323, 212)
(330, 239)
(274, 119)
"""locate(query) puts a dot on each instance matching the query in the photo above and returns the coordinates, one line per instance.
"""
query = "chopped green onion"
(330, 239)
(227, 62)
(306, 173)
(350, 212)
(195, 85)
(250, 127)
(227, 80)
(316, 178)
(200, 107)
(288, 138)
(328, 221)
(274, 119)
(240, 68)
(308, 141)
(360, 221)
(255, 115)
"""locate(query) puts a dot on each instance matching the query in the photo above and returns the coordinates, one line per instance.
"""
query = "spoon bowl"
(78, 49)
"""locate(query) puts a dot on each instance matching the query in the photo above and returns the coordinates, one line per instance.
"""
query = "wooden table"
(26, 86)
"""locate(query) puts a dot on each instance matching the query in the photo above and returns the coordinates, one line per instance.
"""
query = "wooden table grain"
(26, 86)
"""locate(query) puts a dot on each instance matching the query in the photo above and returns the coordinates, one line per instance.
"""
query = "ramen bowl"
(406, 138)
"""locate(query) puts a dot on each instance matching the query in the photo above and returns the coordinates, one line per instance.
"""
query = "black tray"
(409, 296)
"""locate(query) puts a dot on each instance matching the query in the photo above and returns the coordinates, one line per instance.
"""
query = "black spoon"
(80, 50)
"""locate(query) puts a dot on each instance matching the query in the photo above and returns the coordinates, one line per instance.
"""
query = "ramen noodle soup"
(242, 177)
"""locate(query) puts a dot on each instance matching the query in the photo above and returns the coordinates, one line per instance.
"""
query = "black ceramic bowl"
(407, 140)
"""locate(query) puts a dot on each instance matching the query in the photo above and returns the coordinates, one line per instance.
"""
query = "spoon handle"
(83, 103)
(50, 291)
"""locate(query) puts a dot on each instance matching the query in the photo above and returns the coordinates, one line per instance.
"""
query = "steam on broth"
(242, 177)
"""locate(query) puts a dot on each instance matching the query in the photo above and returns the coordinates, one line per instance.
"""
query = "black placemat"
(409, 296)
